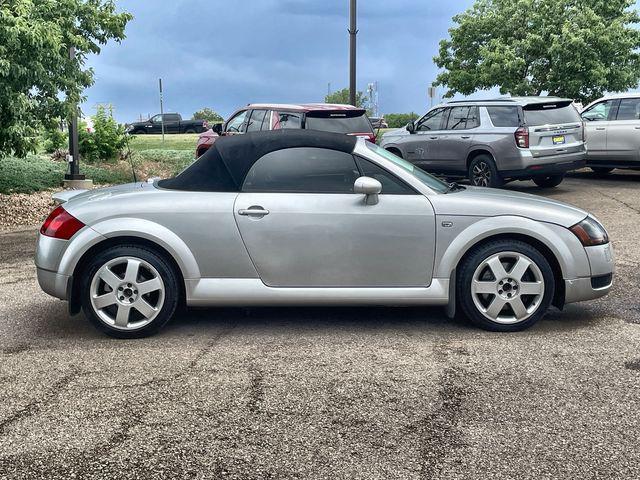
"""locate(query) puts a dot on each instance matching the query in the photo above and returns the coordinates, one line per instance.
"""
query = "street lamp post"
(353, 31)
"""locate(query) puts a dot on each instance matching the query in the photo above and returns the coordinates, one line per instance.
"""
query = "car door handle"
(600, 128)
(433, 138)
(465, 137)
(637, 128)
(253, 212)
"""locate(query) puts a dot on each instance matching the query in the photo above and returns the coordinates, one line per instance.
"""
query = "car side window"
(473, 120)
(255, 121)
(237, 123)
(629, 109)
(431, 121)
(303, 170)
(171, 117)
(598, 112)
(284, 120)
(156, 119)
(504, 116)
(391, 185)
(458, 118)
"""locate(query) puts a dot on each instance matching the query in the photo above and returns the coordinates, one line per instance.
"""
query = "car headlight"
(590, 232)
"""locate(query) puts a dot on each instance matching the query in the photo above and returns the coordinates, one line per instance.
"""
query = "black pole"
(74, 150)
(353, 31)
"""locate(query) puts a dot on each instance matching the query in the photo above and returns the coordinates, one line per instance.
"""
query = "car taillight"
(61, 224)
(522, 137)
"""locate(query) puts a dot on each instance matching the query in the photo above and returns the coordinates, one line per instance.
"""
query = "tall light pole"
(161, 109)
(353, 31)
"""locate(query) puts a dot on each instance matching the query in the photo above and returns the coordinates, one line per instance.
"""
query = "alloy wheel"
(127, 293)
(481, 174)
(507, 287)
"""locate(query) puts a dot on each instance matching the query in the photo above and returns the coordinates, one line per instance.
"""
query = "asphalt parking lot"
(328, 393)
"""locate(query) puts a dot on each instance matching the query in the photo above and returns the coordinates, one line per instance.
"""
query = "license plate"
(558, 140)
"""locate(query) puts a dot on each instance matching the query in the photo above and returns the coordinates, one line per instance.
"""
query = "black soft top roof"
(226, 164)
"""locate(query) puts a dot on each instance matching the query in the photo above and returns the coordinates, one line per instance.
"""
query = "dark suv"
(494, 141)
(311, 116)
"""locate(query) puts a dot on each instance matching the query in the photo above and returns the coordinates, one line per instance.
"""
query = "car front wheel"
(505, 285)
(548, 181)
(129, 291)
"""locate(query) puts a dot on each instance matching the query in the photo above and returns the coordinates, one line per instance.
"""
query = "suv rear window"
(550, 114)
(338, 122)
(504, 116)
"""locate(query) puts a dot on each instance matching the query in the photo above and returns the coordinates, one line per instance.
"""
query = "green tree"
(342, 96)
(107, 140)
(39, 82)
(572, 48)
(399, 120)
(209, 115)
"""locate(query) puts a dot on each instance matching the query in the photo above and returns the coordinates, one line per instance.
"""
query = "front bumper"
(601, 261)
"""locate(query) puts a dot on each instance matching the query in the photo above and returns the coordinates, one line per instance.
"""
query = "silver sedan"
(314, 218)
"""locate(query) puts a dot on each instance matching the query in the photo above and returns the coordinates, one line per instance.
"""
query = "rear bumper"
(566, 163)
(53, 283)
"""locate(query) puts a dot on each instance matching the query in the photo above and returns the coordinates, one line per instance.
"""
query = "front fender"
(567, 249)
(148, 230)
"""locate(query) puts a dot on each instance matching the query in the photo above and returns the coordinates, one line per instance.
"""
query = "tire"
(114, 298)
(548, 181)
(480, 293)
(139, 132)
(483, 172)
(190, 130)
(601, 170)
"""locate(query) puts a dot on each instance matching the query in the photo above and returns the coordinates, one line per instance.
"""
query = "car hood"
(491, 202)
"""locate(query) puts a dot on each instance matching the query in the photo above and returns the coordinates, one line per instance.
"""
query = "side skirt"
(242, 292)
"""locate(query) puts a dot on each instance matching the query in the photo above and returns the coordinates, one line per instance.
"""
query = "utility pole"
(353, 31)
(161, 109)
(74, 179)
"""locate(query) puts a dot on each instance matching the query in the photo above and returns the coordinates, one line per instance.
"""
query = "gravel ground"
(20, 209)
(328, 393)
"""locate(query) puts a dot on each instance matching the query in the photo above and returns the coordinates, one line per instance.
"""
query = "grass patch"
(36, 172)
(182, 142)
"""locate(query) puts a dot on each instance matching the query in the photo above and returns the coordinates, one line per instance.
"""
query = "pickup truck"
(173, 123)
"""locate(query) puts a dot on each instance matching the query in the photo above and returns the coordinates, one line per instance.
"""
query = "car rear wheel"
(505, 286)
(548, 181)
(129, 291)
(601, 170)
(483, 172)
(191, 130)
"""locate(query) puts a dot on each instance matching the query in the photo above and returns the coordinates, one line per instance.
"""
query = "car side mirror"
(217, 127)
(370, 187)
(411, 128)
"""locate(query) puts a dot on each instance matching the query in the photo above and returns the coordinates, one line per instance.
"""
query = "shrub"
(399, 120)
(54, 138)
(107, 140)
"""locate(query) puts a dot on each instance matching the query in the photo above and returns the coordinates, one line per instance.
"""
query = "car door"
(454, 143)
(623, 135)
(303, 225)
(597, 120)
(421, 147)
(155, 124)
(171, 123)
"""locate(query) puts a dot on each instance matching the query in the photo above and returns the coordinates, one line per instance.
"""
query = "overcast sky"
(225, 54)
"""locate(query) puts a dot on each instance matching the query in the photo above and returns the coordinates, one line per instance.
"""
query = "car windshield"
(339, 123)
(429, 180)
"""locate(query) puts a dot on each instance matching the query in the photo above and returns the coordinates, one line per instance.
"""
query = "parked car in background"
(173, 123)
(316, 218)
(378, 122)
(613, 133)
(495, 141)
(327, 117)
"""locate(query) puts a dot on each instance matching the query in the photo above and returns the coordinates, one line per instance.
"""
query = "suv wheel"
(548, 181)
(483, 172)
(190, 130)
(505, 285)
(129, 291)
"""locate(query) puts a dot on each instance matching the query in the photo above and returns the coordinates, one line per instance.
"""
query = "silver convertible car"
(314, 218)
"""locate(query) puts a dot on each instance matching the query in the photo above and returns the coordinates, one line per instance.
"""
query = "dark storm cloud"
(224, 54)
